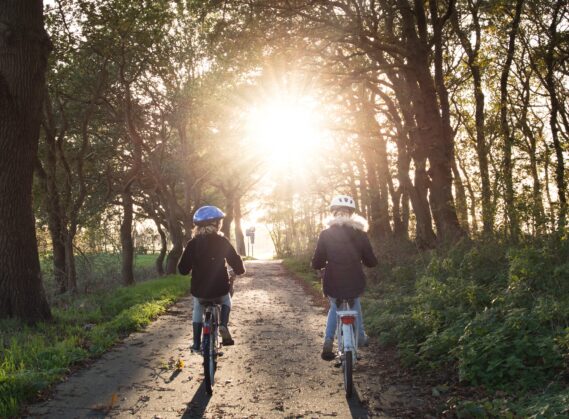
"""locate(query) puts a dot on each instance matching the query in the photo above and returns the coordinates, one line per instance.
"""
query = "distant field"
(98, 271)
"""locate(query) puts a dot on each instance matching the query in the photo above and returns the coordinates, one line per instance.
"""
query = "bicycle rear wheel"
(348, 371)
(209, 363)
(208, 379)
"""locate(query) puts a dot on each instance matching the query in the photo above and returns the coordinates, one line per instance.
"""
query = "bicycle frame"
(346, 333)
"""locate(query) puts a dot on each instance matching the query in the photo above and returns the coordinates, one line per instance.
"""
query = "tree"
(24, 49)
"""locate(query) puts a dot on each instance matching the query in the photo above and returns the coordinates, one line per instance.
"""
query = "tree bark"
(531, 141)
(52, 207)
(239, 237)
(511, 213)
(481, 148)
(163, 249)
(127, 244)
(461, 206)
(177, 238)
(410, 146)
(24, 48)
(383, 176)
(70, 270)
(550, 61)
(229, 211)
(437, 146)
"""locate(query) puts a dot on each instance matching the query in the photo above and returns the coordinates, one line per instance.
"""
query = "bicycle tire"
(213, 356)
(208, 379)
(348, 373)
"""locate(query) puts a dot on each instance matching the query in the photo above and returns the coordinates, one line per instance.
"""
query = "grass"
(301, 267)
(34, 357)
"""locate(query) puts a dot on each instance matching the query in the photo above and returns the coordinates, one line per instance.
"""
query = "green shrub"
(508, 350)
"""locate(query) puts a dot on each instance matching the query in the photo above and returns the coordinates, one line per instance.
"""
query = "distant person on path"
(341, 249)
(205, 256)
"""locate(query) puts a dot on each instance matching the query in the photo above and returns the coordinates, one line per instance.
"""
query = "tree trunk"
(511, 213)
(24, 47)
(127, 244)
(472, 208)
(70, 270)
(58, 246)
(163, 249)
(374, 196)
(177, 237)
(481, 148)
(530, 138)
(229, 211)
(435, 144)
(364, 189)
(550, 61)
(461, 206)
(410, 139)
(55, 223)
(383, 175)
(239, 238)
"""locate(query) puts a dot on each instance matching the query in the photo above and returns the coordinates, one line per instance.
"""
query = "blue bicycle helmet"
(207, 215)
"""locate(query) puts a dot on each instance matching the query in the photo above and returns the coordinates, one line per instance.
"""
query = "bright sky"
(287, 131)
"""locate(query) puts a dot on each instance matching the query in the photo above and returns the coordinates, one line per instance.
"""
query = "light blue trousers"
(197, 313)
(333, 319)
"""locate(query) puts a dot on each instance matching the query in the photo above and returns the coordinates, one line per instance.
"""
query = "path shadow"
(173, 376)
(357, 408)
(198, 404)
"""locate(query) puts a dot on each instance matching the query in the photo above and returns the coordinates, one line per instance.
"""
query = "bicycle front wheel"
(348, 370)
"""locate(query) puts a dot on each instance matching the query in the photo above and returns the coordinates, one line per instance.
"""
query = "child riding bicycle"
(205, 256)
(341, 249)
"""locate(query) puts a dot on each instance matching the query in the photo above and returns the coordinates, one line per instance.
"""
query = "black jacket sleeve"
(320, 258)
(186, 263)
(234, 260)
(368, 257)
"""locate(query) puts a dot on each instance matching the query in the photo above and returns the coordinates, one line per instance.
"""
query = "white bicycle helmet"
(343, 201)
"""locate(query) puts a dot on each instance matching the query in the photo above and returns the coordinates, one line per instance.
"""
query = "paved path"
(274, 370)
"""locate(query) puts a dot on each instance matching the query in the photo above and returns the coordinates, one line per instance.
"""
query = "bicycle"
(346, 333)
(210, 341)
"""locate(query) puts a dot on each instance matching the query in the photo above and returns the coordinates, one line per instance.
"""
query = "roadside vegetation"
(96, 272)
(494, 316)
(83, 327)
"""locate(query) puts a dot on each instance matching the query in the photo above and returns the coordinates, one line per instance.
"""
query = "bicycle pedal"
(338, 364)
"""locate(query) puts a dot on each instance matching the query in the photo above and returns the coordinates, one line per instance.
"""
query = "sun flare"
(286, 132)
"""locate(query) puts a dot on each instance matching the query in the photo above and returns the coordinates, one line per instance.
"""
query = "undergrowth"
(33, 357)
(494, 316)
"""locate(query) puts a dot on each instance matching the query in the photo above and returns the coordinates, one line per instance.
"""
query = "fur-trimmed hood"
(355, 221)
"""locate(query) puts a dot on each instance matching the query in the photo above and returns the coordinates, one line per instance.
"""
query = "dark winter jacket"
(205, 257)
(341, 250)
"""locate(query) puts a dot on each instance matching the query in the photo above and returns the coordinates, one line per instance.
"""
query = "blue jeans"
(332, 319)
(197, 313)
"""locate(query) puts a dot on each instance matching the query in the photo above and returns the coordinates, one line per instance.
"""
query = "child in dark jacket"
(205, 256)
(340, 252)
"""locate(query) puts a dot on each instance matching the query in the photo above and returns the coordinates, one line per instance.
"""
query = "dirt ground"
(274, 370)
